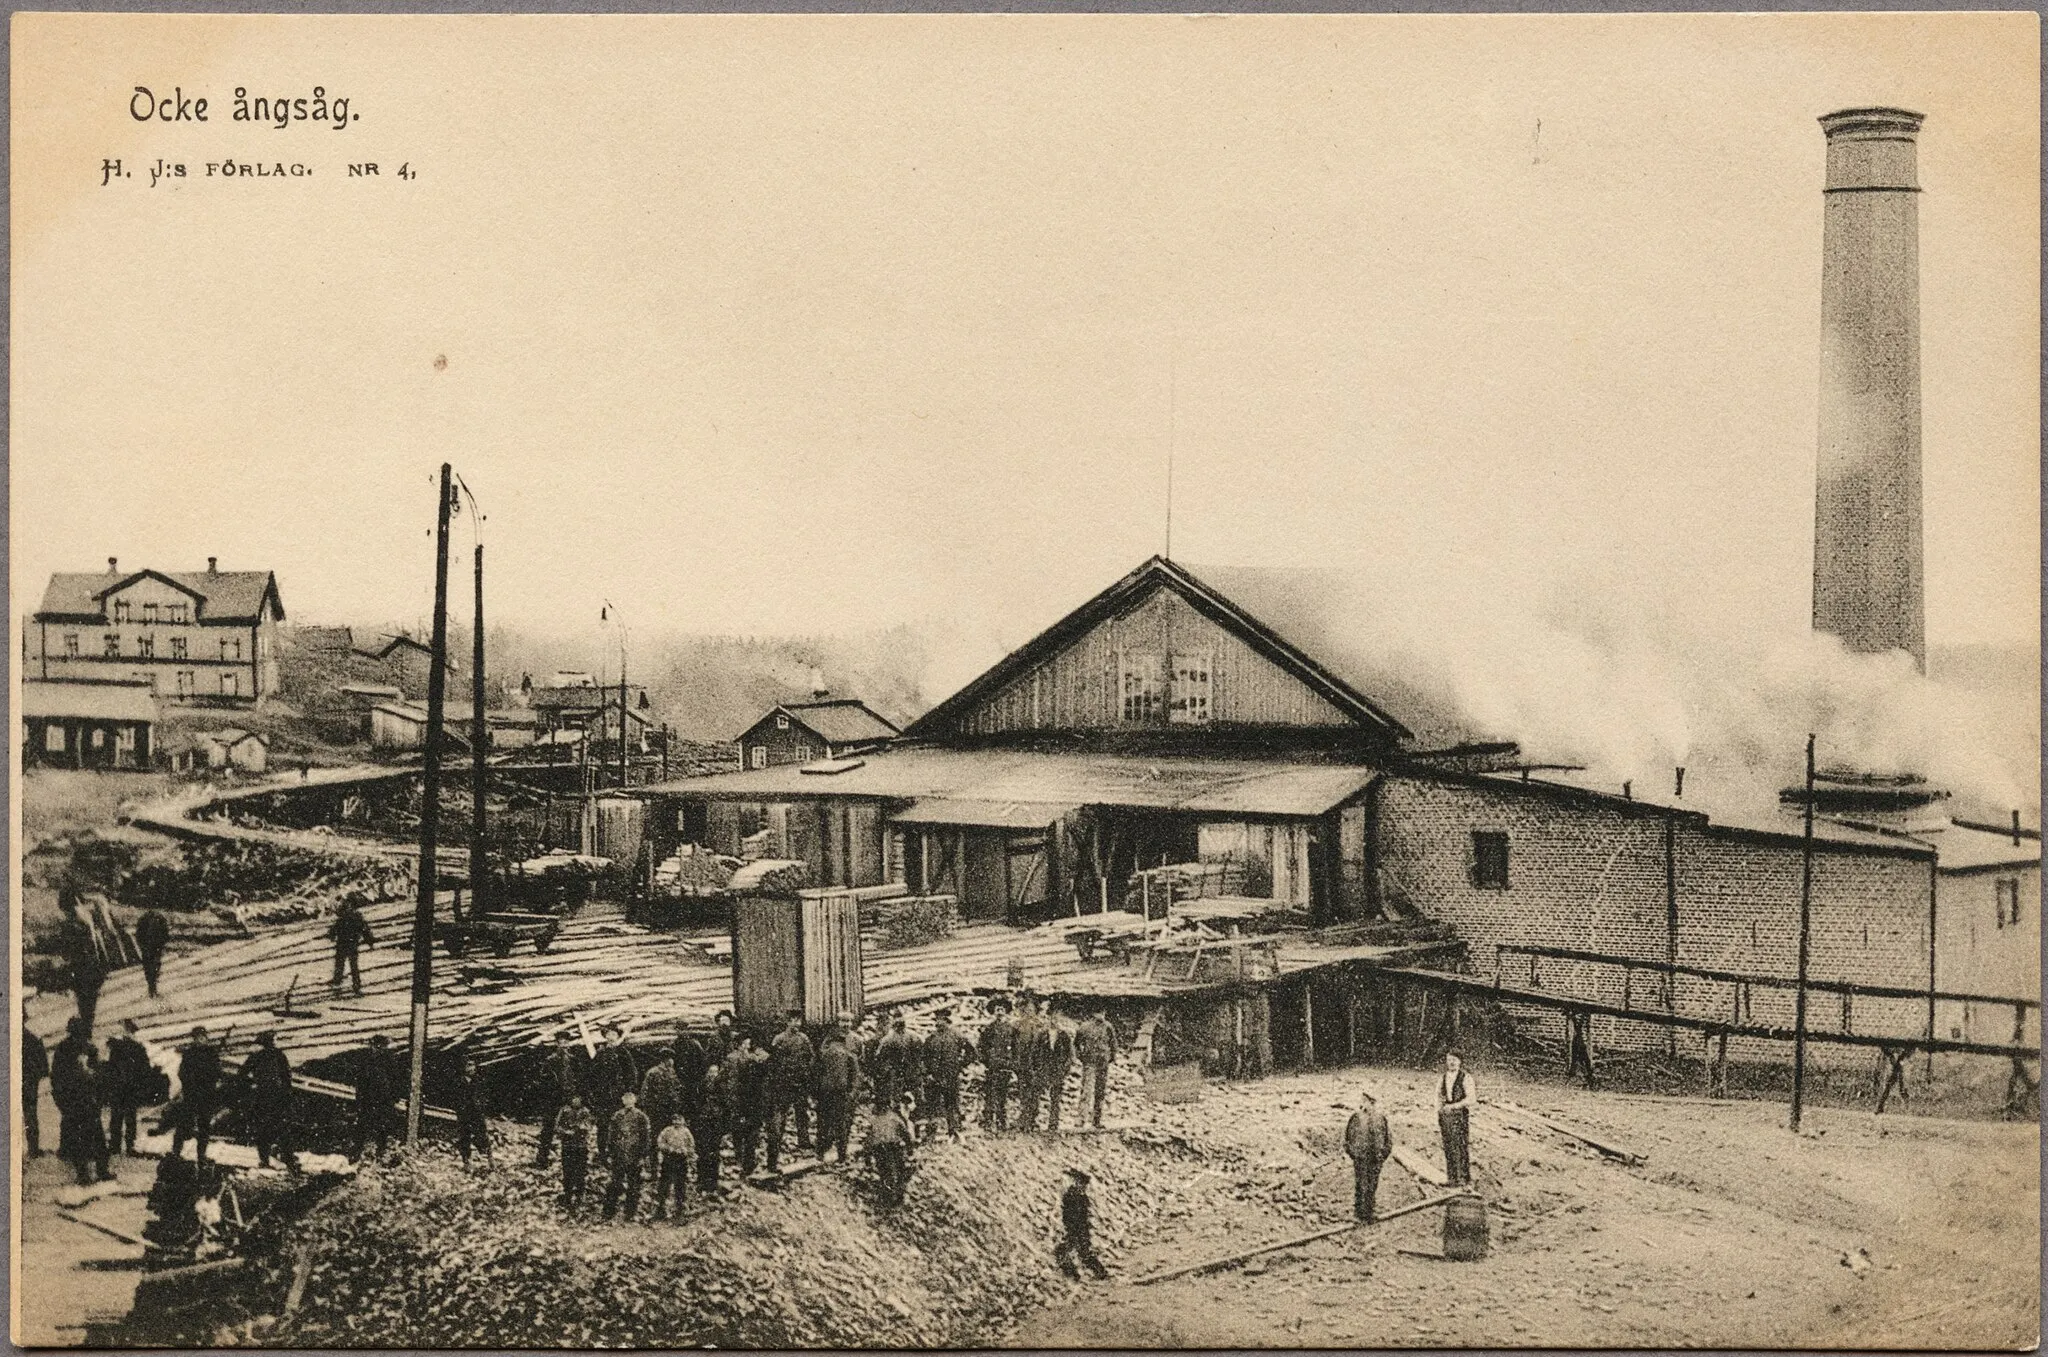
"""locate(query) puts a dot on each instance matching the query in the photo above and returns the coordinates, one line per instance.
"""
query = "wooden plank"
(1232, 1260)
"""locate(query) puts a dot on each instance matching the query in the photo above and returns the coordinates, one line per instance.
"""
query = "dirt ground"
(1732, 1233)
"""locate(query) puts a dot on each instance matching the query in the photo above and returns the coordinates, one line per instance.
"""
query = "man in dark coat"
(838, 1080)
(1094, 1047)
(748, 1065)
(661, 1096)
(472, 1128)
(691, 1064)
(1077, 1228)
(1034, 1057)
(562, 1080)
(351, 933)
(199, 1075)
(575, 1127)
(35, 1067)
(152, 938)
(626, 1156)
(1059, 1060)
(888, 1146)
(378, 1084)
(75, 1079)
(899, 1059)
(81, 953)
(1368, 1140)
(946, 1054)
(613, 1074)
(128, 1080)
(791, 1060)
(713, 1123)
(999, 1063)
(268, 1074)
(718, 1043)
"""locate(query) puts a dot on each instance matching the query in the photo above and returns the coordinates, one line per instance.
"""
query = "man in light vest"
(1455, 1095)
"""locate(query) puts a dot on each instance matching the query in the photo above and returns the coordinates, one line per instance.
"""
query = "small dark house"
(804, 732)
(87, 723)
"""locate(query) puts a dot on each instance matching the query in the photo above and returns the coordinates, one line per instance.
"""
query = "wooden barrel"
(1465, 1234)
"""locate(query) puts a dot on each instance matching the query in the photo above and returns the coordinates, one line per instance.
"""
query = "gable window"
(71, 644)
(757, 757)
(1191, 687)
(2008, 902)
(123, 610)
(145, 647)
(111, 644)
(149, 614)
(782, 723)
(1489, 860)
(177, 647)
(1141, 686)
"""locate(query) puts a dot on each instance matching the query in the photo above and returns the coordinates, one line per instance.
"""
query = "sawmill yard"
(1861, 1232)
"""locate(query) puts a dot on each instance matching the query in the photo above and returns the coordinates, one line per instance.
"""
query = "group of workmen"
(671, 1120)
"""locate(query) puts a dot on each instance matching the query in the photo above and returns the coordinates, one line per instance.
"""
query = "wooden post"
(479, 740)
(1805, 930)
(1671, 923)
(430, 818)
(1308, 1023)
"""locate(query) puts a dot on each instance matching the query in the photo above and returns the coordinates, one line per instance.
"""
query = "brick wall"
(1591, 875)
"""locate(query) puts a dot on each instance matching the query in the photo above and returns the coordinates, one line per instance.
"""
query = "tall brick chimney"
(1866, 523)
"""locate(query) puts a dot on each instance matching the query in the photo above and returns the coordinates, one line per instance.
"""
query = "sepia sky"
(773, 324)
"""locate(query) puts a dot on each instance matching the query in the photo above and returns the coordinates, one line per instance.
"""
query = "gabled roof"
(1229, 611)
(88, 699)
(839, 720)
(222, 596)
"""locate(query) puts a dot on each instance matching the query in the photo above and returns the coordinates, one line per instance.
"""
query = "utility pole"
(430, 816)
(479, 740)
(622, 712)
(1805, 930)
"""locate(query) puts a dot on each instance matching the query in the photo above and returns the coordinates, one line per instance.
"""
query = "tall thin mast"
(430, 816)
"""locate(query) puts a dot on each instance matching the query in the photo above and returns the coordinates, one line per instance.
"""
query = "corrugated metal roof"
(1212, 786)
(91, 701)
(990, 814)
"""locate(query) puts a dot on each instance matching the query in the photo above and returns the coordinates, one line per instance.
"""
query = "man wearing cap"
(1094, 1047)
(377, 1087)
(1455, 1096)
(1078, 1237)
(626, 1156)
(152, 939)
(1368, 1140)
(1059, 1060)
(888, 1148)
(838, 1081)
(269, 1077)
(897, 1062)
(612, 1076)
(128, 1081)
(351, 933)
(791, 1063)
(946, 1054)
(661, 1095)
(561, 1083)
(1034, 1061)
(999, 1062)
(198, 1095)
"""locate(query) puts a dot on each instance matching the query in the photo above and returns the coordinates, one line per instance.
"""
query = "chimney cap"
(113, 565)
(213, 565)
(1876, 123)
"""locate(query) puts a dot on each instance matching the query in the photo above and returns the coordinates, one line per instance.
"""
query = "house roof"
(839, 720)
(1040, 778)
(221, 596)
(1963, 846)
(88, 700)
(1246, 602)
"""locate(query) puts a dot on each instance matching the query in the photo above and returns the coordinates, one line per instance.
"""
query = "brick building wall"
(1603, 876)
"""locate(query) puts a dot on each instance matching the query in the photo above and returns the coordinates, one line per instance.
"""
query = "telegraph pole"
(1805, 930)
(479, 739)
(622, 710)
(430, 816)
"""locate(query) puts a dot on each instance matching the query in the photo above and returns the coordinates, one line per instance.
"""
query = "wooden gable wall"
(1080, 688)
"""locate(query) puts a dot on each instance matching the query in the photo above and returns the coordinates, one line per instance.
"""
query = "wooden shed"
(796, 952)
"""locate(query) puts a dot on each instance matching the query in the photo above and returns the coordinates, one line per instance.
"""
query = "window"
(177, 647)
(1190, 704)
(111, 645)
(71, 644)
(231, 684)
(1489, 860)
(99, 737)
(2008, 902)
(185, 677)
(231, 648)
(149, 614)
(124, 739)
(145, 647)
(757, 757)
(53, 738)
(123, 611)
(1141, 688)
(181, 613)
(782, 723)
